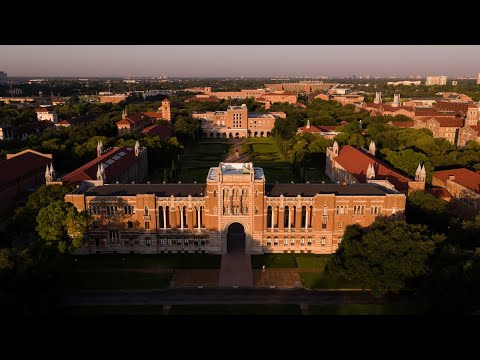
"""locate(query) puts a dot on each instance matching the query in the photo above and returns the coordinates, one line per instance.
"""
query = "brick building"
(463, 185)
(351, 165)
(279, 218)
(44, 114)
(21, 174)
(442, 127)
(235, 122)
(116, 165)
(468, 133)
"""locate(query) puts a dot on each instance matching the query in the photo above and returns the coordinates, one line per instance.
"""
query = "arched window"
(275, 240)
(292, 240)
(269, 217)
(160, 217)
(269, 240)
(214, 193)
(285, 240)
(146, 211)
(324, 210)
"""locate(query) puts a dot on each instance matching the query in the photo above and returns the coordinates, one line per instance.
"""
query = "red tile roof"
(300, 105)
(451, 106)
(22, 164)
(373, 105)
(356, 162)
(402, 124)
(40, 109)
(154, 114)
(344, 123)
(397, 108)
(113, 171)
(132, 119)
(163, 131)
(209, 99)
(449, 122)
(433, 113)
(463, 176)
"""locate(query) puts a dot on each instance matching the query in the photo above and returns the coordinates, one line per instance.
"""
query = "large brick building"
(468, 133)
(351, 165)
(21, 174)
(236, 122)
(154, 218)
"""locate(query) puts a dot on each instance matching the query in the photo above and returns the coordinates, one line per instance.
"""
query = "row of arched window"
(292, 241)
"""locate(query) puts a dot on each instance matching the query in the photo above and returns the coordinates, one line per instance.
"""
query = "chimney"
(451, 177)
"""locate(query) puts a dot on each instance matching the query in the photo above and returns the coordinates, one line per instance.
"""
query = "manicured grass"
(320, 280)
(311, 261)
(264, 153)
(290, 261)
(118, 280)
(260, 309)
(112, 310)
(204, 155)
(364, 309)
(274, 261)
(129, 261)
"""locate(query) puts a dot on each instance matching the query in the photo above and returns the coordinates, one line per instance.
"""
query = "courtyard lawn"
(312, 261)
(274, 261)
(203, 155)
(136, 261)
(119, 280)
(364, 309)
(134, 310)
(320, 280)
(254, 309)
(264, 153)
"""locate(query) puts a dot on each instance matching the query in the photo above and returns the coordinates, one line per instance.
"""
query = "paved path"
(216, 296)
(237, 146)
(236, 270)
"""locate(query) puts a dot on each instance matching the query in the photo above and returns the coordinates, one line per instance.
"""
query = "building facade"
(235, 122)
(44, 114)
(468, 133)
(442, 127)
(156, 218)
(436, 80)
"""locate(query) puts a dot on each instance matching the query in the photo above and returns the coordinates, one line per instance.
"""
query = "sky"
(239, 60)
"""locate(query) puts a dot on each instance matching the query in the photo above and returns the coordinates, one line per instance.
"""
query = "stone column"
(298, 218)
(306, 218)
(181, 218)
(273, 217)
(199, 219)
(289, 218)
(190, 219)
(281, 218)
(164, 218)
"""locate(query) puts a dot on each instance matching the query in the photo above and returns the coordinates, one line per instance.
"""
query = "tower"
(370, 172)
(378, 98)
(137, 148)
(396, 100)
(372, 149)
(101, 173)
(48, 178)
(420, 173)
(166, 112)
(478, 79)
(99, 148)
(308, 124)
(124, 114)
(472, 116)
(335, 148)
(53, 175)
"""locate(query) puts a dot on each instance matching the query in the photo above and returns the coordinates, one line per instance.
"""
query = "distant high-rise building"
(478, 79)
(454, 82)
(3, 77)
(436, 80)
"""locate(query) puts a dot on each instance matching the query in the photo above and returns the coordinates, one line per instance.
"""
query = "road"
(215, 296)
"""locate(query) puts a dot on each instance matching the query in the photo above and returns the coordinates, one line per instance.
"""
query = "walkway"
(236, 270)
(237, 147)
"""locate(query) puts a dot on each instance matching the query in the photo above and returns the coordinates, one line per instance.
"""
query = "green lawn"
(274, 261)
(112, 310)
(129, 261)
(204, 155)
(290, 261)
(321, 280)
(117, 280)
(264, 153)
(364, 309)
(260, 309)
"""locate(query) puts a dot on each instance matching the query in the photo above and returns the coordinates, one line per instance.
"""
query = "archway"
(236, 239)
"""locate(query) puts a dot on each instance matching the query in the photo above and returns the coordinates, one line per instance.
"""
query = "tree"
(76, 226)
(51, 224)
(424, 208)
(384, 257)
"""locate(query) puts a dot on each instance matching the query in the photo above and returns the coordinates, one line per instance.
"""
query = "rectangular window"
(302, 241)
(269, 240)
(148, 242)
(130, 225)
(147, 225)
(324, 241)
(285, 241)
(95, 224)
(128, 210)
(292, 241)
(324, 222)
(113, 235)
(275, 240)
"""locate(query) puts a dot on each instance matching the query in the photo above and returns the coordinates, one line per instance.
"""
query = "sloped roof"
(21, 164)
(449, 121)
(119, 164)
(356, 162)
(401, 124)
(163, 131)
(463, 176)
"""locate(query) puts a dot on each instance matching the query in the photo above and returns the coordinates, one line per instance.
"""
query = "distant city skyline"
(239, 60)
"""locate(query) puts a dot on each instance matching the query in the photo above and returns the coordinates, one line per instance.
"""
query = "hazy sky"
(238, 60)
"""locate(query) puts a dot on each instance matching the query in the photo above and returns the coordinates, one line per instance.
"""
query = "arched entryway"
(236, 239)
